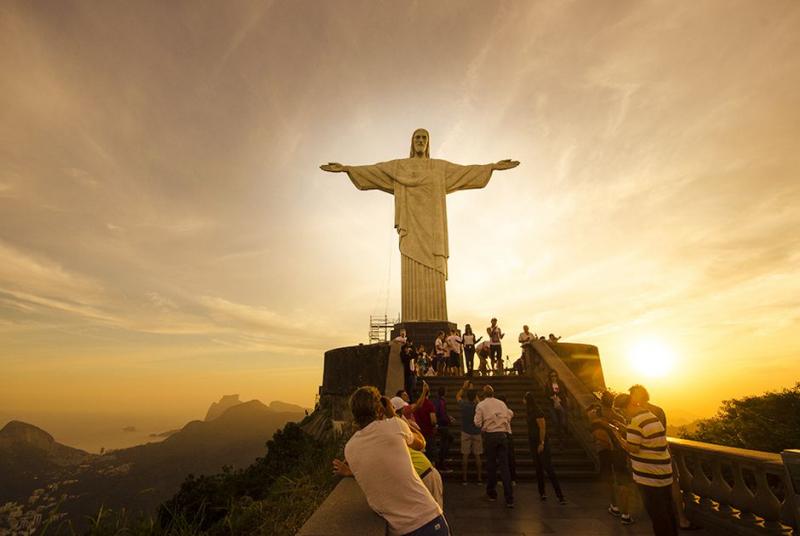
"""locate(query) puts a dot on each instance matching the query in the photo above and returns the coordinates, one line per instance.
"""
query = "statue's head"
(420, 144)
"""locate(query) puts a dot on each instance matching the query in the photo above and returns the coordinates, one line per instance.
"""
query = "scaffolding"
(380, 327)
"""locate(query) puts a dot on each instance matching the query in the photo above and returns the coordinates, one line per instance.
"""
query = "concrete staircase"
(571, 461)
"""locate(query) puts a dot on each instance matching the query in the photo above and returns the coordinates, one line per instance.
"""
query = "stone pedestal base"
(423, 332)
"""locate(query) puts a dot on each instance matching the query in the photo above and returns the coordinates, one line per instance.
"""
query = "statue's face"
(420, 141)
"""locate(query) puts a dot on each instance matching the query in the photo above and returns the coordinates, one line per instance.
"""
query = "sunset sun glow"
(652, 358)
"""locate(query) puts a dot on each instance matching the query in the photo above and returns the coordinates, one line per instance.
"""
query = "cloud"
(160, 302)
(36, 275)
(259, 327)
(30, 302)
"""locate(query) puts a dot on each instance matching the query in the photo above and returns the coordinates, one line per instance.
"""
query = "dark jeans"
(543, 464)
(559, 416)
(469, 356)
(496, 352)
(495, 445)
(445, 439)
(659, 506)
(512, 459)
(435, 527)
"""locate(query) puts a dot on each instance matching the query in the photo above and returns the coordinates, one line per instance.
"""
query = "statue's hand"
(505, 164)
(333, 167)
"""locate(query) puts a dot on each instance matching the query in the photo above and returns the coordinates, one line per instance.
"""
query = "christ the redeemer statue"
(419, 184)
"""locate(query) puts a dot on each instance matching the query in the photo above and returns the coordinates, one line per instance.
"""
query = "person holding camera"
(645, 441)
(614, 470)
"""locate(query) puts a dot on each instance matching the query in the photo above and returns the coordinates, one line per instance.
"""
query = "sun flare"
(651, 358)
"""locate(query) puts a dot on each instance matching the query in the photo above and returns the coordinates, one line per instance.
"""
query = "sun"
(651, 358)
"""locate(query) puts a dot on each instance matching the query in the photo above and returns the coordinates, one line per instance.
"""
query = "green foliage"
(769, 422)
(273, 496)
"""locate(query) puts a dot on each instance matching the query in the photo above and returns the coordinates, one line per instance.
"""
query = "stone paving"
(470, 513)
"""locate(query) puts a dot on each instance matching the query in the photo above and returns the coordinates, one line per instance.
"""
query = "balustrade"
(739, 491)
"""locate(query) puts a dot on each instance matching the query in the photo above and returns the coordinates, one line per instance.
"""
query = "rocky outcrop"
(18, 436)
(218, 408)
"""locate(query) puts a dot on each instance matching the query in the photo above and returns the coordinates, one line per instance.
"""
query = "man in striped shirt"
(645, 440)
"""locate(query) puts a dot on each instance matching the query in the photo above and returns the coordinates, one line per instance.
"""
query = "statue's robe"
(419, 186)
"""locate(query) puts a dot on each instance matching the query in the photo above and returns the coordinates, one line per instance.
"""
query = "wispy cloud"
(38, 275)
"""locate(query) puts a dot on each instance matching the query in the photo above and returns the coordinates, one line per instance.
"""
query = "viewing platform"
(726, 491)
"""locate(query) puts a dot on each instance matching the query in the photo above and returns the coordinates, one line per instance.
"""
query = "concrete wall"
(348, 368)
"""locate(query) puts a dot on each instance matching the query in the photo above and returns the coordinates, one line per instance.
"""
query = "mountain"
(30, 456)
(277, 405)
(218, 408)
(137, 478)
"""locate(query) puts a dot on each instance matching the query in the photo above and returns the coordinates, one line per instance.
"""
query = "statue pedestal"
(423, 332)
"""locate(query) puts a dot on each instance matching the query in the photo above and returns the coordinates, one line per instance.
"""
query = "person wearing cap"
(402, 402)
(377, 456)
(493, 417)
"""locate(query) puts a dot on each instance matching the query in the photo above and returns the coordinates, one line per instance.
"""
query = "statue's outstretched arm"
(460, 177)
(374, 177)
(333, 167)
(505, 164)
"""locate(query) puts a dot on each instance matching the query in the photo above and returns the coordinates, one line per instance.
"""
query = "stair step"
(523, 475)
(570, 462)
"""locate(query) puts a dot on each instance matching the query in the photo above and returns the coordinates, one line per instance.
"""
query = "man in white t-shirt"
(453, 342)
(493, 417)
(526, 339)
(377, 456)
(496, 346)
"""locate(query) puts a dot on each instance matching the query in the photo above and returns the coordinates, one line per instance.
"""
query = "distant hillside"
(141, 477)
(283, 406)
(29, 455)
(228, 401)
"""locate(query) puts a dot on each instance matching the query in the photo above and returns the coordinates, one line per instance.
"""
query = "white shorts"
(471, 443)
(433, 481)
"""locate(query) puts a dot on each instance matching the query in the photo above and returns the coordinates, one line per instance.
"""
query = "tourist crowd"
(453, 354)
(401, 447)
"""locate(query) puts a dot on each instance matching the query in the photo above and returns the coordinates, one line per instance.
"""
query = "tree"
(768, 422)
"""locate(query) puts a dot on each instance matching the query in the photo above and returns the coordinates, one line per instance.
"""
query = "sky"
(167, 237)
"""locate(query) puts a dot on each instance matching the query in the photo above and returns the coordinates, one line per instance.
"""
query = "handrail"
(579, 398)
(344, 511)
(734, 489)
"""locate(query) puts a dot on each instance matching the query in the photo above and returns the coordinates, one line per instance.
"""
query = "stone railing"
(734, 491)
(579, 397)
(345, 511)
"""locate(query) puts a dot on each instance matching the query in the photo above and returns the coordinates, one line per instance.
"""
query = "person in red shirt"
(425, 417)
